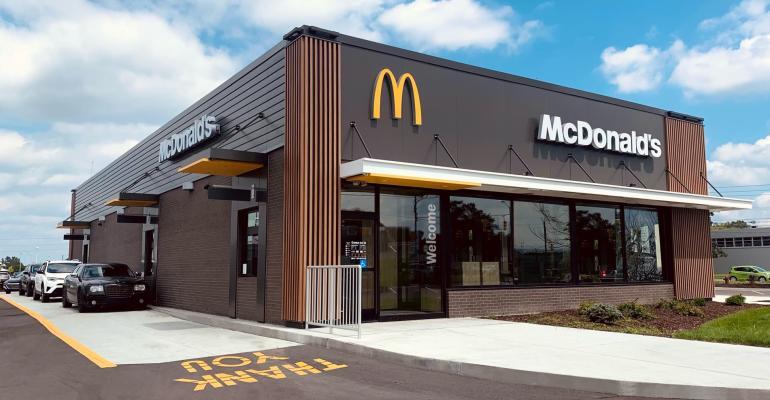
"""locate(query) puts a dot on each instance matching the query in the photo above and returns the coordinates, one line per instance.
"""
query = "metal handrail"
(333, 297)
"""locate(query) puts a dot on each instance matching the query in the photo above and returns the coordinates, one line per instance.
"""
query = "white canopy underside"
(367, 169)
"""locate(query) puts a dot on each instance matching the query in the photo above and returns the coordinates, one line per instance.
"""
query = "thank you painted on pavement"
(225, 371)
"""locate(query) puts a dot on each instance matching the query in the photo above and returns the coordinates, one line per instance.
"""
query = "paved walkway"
(148, 336)
(753, 295)
(549, 356)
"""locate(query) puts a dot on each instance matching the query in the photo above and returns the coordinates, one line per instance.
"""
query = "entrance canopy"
(427, 176)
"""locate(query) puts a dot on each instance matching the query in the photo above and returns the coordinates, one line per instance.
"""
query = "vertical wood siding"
(686, 156)
(693, 265)
(311, 166)
(691, 247)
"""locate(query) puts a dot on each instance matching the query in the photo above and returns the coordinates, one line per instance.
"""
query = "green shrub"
(681, 307)
(699, 302)
(584, 306)
(635, 310)
(603, 314)
(736, 300)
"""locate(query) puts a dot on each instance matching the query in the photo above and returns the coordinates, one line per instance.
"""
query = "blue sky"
(83, 81)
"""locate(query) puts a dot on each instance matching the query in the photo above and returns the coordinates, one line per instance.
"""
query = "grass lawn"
(749, 327)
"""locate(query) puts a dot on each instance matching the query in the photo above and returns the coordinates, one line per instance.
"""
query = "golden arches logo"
(397, 95)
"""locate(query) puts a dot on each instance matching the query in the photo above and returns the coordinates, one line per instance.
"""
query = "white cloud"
(734, 167)
(352, 17)
(736, 58)
(637, 68)
(75, 61)
(718, 70)
(457, 24)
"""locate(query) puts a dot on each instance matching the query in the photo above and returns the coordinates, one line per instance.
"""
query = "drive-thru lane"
(37, 364)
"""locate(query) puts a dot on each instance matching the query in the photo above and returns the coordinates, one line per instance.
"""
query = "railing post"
(359, 306)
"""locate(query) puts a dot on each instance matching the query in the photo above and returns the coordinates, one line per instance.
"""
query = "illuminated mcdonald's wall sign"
(397, 95)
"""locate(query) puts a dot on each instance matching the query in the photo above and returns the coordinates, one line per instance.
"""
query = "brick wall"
(479, 303)
(246, 299)
(114, 242)
(274, 268)
(193, 270)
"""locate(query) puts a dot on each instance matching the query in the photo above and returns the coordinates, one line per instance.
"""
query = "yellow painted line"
(79, 347)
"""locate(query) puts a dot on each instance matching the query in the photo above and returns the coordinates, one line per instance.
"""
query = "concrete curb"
(497, 374)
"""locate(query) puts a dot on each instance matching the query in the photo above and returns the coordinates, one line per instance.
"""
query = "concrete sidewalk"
(148, 336)
(549, 356)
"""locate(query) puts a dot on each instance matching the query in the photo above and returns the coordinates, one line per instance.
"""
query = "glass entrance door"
(410, 279)
(358, 247)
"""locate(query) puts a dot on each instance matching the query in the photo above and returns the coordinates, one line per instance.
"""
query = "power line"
(741, 186)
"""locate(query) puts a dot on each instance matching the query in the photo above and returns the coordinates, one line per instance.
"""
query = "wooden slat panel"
(691, 247)
(686, 156)
(693, 265)
(311, 166)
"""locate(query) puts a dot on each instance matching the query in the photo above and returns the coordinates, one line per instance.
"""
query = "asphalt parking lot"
(37, 364)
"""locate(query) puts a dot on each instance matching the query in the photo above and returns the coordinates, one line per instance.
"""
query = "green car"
(743, 272)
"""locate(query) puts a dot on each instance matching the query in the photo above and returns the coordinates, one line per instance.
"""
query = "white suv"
(50, 278)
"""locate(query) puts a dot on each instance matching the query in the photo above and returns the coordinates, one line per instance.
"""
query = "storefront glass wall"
(599, 247)
(410, 279)
(481, 235)
(541, 243)
(643, 252)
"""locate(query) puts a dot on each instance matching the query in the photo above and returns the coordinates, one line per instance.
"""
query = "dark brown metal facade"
(311, 165)
(685, 156)
(693, 265)
(691, 242)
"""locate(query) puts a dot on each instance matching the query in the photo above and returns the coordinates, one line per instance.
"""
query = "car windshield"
(55, 268)
(760, 269)
(107, 271)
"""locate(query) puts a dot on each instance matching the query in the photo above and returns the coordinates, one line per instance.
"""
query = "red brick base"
(480, 303)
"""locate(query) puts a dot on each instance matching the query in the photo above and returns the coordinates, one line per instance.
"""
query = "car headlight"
(96, 289)
(139, 288)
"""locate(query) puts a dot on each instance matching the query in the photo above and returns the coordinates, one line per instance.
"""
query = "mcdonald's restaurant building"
(459, 191)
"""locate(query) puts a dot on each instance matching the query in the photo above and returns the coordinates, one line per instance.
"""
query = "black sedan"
(12, 284)
(27, 284)
(100, 285)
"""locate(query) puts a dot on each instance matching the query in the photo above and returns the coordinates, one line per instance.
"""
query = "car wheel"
(761, 279)
(29, 292)
(64, 302)
(82, 307)
(43, 296)
(35, 295)
(21, 292)
(7, 291)
(733, 279)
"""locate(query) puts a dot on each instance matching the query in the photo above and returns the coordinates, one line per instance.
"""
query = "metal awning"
(69, 224)
(421, 175)
(223, 162)
(134, 200)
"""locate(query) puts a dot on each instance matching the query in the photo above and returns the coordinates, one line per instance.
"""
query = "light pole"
(36, 250)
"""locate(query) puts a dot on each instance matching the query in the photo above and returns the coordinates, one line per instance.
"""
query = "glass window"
(738, 242)
(757, 241)
(410, 269)
(765, 240)
(55, 268)
(480, 240)
(720, 242)
(249, 245)
(599, 249)
(357, 198)
(643, 256)
(541, 237)
(729, 242)
(747, 242)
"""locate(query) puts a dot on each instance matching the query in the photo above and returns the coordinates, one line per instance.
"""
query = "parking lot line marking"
(95, 358)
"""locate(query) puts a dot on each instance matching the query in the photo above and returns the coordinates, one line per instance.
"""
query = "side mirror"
(74, 276)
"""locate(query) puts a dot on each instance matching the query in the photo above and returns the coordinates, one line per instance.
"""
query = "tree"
(13, 264)
(738, 224)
